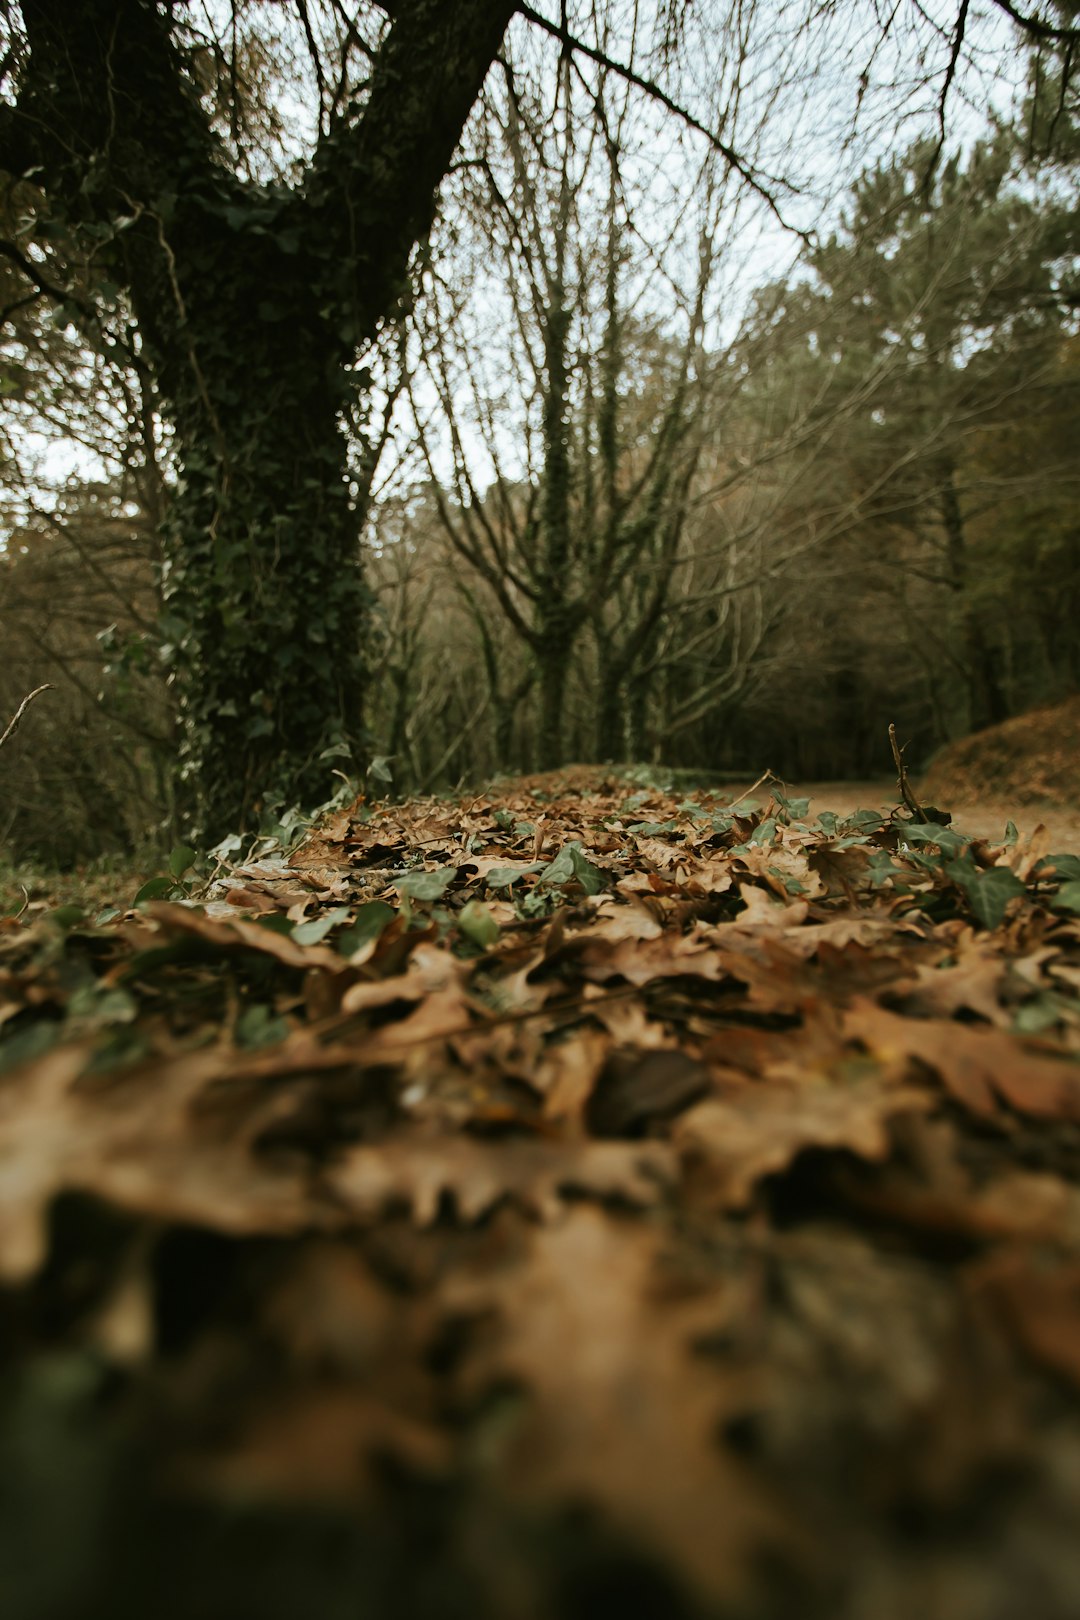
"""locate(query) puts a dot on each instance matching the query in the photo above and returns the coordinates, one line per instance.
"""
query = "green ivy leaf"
(156, 889)
(259, 1026)
(988, 893)
(592, 878)
(317, 928)
(1067, 897)
(504, 877)
(103, 1006)
(276, 922)
(1064, 867)
(370, 921)
(181, 860)
(931, 832)
(427, 885)
(66, 917)
(24, 1045)
(477, 924)
(571, 865)
(795, 808)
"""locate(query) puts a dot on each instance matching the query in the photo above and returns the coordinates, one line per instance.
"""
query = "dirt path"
(985, 818)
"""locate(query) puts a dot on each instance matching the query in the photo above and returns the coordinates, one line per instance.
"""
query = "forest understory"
(573, 1198)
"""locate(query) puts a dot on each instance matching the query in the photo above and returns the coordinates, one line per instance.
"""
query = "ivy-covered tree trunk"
(252, 303)
(264, 597)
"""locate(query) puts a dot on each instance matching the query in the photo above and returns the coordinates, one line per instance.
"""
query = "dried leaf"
(978, 1067)
(418, 1172)
(619, 1416)
(734, 1144)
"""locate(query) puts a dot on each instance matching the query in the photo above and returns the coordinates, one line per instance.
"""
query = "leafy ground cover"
(572, 1199)
(1031, 759)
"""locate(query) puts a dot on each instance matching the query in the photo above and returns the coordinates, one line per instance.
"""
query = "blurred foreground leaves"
(525, 1205)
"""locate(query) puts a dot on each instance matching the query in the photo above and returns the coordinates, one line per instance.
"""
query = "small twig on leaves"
(21, 710)
(902, 778)
(766, 776)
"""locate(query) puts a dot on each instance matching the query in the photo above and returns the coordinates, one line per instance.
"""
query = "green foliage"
(426, 885)
(173, 884)
(316, 930)
(989, 892)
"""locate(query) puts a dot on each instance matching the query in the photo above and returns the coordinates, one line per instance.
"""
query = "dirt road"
(984, 818)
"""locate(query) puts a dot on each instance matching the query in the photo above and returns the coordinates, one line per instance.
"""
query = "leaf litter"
(641, 1188)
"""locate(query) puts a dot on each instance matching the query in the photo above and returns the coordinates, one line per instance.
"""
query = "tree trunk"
(609, 737)
(262, 587)
(987, 701)
(553, 666)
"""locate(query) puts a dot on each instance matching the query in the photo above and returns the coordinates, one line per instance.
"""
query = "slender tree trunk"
(507, 705)
(988, 702)
(610, 734)
(637, 716)
(553, 667)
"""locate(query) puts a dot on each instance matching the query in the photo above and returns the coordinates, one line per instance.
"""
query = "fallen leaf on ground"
(731, 1145)
(619, 1417)
(978, 1067)
(418, 1172)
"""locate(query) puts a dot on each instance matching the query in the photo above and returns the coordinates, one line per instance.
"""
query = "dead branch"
(766, 776)
(902, 782)
(762, 185)
(21, 710)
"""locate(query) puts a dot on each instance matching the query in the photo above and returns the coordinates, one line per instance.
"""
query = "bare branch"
(762, 185)
(21, 710)
(1037, 28)
(950, 73)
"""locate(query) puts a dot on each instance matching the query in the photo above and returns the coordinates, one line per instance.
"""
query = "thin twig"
(761, 184)
(766, 776)
(902, 778)
(21, 710)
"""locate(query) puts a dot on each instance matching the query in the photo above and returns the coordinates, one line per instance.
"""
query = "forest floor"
(568, 1199)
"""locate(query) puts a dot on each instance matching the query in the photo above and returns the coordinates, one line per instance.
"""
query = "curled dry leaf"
(141, 1141)
(237, 933)
(636, 1088)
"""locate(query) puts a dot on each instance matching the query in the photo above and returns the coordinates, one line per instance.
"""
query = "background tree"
(949, 302)
(568, 500)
